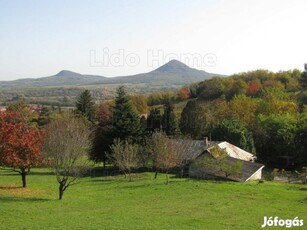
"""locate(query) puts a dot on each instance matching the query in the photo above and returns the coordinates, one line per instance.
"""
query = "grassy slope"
(114, 203)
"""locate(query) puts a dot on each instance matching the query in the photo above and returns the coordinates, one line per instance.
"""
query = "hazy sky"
(111, 38)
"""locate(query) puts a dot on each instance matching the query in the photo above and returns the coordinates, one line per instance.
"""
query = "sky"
(115, 38)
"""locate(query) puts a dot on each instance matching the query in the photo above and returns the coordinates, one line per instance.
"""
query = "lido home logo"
(289, 223)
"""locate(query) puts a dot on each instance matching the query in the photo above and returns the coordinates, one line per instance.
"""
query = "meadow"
(114, 203)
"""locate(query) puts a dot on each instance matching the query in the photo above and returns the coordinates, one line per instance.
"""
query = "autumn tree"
(253, 88)
(125, 155)
(103, 135)
(184, 93)
(85, 105)
(162, 153)
(160, 98)
(66, 145)
(243, 109)
(20, 143)
(140, 104)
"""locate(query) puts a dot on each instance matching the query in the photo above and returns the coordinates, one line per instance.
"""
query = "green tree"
(44, 116)
(85, 105)
(274, 137)
(193, 119)
(301, 140)
(154, 120)
(126, 122)
(234, 132)
(169, 119)
(217, 162)
(211, 89)
(303, 79)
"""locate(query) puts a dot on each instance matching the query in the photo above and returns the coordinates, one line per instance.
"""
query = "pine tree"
(154, 120)
(126, 122)
(169, 119)
(86, 106)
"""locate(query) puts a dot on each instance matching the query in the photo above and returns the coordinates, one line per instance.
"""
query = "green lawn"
(145, 203)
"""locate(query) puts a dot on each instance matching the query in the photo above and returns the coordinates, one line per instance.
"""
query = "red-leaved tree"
(20, 143)
(253, 88)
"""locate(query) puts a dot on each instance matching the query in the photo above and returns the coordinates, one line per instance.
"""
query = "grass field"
(145, 203)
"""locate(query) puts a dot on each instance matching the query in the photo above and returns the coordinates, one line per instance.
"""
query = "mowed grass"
(144, 203)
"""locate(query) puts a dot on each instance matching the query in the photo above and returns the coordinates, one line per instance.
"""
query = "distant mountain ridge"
(172, 73)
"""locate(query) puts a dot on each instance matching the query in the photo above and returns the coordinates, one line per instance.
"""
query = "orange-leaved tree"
(20, 143)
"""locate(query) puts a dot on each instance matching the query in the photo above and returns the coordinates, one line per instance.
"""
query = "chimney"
(206, 141)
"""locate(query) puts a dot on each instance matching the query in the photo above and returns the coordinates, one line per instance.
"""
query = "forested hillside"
(261, 111)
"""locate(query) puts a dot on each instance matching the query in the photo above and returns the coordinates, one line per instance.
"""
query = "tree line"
(260, 111)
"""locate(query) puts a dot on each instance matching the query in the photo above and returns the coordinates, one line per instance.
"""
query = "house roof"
(235, 152)
(248, 169)
(191, 149)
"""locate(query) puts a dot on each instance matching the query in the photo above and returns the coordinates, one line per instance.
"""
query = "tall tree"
(20, 143)
(169, 119)
(103, 136)
(303, 78)
(85, 105)
(275, 137)
(66, 145)
(193, 119)
(126, 122)
(154, 120)
(140, 104)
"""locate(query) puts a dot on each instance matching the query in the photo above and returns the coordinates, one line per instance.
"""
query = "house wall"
(257, 175)
(197, 171)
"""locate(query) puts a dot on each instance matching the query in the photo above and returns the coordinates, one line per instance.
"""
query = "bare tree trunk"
(24, 178)
(156, 174)
(166, 176)
(61, 191)
(129, 175)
